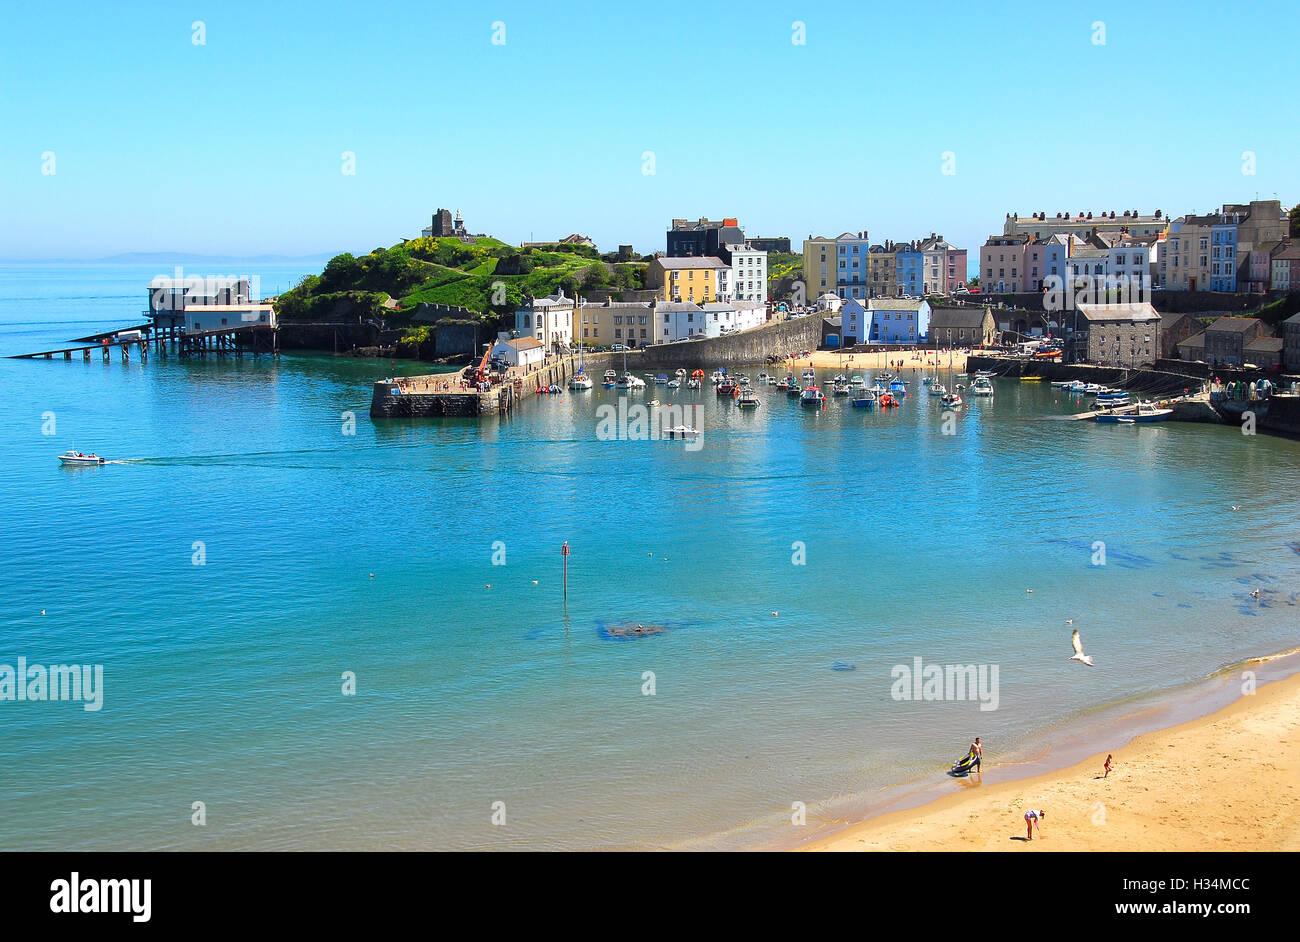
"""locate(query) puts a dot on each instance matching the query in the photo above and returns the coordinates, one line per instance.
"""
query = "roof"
(1236, 325)
(1293, 319)
(1287, 250)
(1194, 341)
(224, 308)
(895, 304)
(678, 307)
(692, 261)
(1119, 312)
(524, 343)
(718, 306)
(615, 305)
(970, 318)
(1265, 344)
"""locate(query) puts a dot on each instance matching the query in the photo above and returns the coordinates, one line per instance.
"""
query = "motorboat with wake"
(76, 458)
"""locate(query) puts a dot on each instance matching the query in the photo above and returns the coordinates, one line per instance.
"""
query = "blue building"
(909, 265)
(855, 322)
(902, 321)
(1223, 256)
(851, 264)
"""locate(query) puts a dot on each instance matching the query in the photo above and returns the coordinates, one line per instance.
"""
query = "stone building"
(968, 326)
(1121, 334)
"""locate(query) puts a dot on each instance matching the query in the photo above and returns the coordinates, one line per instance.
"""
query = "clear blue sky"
(234, 147)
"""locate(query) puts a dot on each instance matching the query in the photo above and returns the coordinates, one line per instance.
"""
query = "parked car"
(619, 347)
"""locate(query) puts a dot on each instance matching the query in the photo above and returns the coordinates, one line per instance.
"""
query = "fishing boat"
(898, 386)
(865, 399)
(718, 376)
(784, 382)
(610, 377)
(981, 387)
(77, 458)
(858, 382)
(812, 396)
(661, 379)
(727, 387)
(1142, 412)
(840, 389)
(793, 391)
(952, 400)
(581, 381)
(748, 399)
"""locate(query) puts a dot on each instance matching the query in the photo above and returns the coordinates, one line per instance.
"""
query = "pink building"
(1002, 264)
(955, 260)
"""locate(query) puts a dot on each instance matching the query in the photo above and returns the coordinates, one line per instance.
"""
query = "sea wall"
(1140, 380)
(750, 346)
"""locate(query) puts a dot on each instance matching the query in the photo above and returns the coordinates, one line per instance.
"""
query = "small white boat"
(952, 400)
(661, 379)
(981, 387)
(680, 372)
(717, 377)
(681, 431)
(858, 382)
(693, 383)
(581, 381)
(937, 389)
(77, 458)
(840, 389)
(1143, 412)
(674, 384)
(628, 381)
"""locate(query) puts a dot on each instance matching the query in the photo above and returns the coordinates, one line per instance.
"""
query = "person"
(977, 748)
(1032, 819)
(1107, 766)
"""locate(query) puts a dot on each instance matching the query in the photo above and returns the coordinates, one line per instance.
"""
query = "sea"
(317, 631)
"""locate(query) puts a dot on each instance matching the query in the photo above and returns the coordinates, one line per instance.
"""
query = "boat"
(674, 384)
(1031, 379)
(680, 373)
(926, 380)
(762, 377)
(610, 377)
(628, 381)
(727, 387)
(981, 387)
(1063, 383)
(812, 396)
(784, 382)
(937, 389)
(898, 386)
(718, 376)
(952, 400)
(1111, 394)
(839, 378)
(681, 431)
(887, 401)
(988, 373)
(840, 389)
(809, 375)
(858, 382)
(693, 383)
(793, 391)
(581, 381)
(661, 379)
(77, 458)
(771, 381)
(1142, 412)
(865, 399)
(748, 399)
(743, 380)
(697, 379)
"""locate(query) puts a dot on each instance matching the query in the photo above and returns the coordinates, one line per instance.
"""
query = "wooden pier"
(237, 340)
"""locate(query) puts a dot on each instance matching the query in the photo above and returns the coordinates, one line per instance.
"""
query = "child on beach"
(1032, 820)
(1107, 766)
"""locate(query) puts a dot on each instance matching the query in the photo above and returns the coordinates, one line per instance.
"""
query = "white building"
(750, 314)
(548, 319)
(526, 352)
(1086, 264)
(748, 274)
(681, 320)
(1129, 263)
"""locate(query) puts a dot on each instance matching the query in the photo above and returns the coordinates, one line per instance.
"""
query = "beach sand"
(1227, 781)
(912, 360)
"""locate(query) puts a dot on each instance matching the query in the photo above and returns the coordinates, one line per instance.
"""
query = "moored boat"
(952, 400)
(748, 399)
(981, 387)
(812, 396)
(863, 399)
(581, 381)
(1142, 412)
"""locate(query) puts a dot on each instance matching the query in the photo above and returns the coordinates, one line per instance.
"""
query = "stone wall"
(750, 346)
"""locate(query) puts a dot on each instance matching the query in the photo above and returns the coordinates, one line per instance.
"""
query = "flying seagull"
(1078, 649)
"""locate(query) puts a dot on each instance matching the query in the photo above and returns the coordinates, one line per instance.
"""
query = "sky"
(122, 132)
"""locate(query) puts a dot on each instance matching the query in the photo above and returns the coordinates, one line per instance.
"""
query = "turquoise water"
(222, 681)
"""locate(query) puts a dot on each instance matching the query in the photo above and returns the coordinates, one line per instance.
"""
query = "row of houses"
(560, 323)
(1241, 247)
(912, 322)
(851, 266)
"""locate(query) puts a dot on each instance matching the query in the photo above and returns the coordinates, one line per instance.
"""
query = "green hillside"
(487, 277)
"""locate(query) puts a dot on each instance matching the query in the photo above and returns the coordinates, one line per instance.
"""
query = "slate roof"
(1102, 313)
(968, 318)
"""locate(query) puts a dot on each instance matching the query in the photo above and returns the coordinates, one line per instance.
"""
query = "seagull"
(1029, 591)
(1235, 507)
(1069, 621)
(1078, 649)
(1254, 594)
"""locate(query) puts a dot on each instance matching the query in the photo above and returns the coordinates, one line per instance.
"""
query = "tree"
(342, 273)
(1294, 216)
(595, 277)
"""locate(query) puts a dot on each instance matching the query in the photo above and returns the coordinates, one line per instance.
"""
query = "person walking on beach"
(1107, 766)
(1032, 820)
(977, 749)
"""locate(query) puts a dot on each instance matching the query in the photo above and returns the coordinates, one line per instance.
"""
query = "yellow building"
(818, 267)
(625, 322)
(692, 278)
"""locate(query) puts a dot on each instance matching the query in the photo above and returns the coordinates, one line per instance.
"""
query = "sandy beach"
(1226, 781)
(913, 360)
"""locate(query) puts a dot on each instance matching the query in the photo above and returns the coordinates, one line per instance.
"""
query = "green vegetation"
(1275, 312)
(487, 277)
